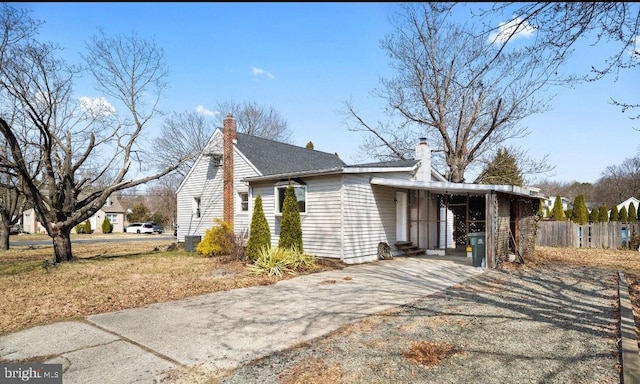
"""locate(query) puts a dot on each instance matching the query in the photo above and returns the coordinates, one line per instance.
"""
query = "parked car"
(15, 229)
(156, 227)
(139, 228)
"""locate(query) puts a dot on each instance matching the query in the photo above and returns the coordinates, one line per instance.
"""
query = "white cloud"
(204, 111)
(514, 29)
(636, 48)
(96, 107)
(261, 72)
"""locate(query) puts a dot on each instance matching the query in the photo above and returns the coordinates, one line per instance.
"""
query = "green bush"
(290, 226)
(276, 261)
(580, 212)
(594, 216)
(633, 214)
(218, 240)
(107, 227)
(604, 214)
(260, 234)
(139, 213)
(557, 213)
(614, 214)
(87, 227)
(80, 228)
(622, 215)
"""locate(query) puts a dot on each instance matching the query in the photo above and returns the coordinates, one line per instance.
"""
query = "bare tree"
(183, 136)
(162, 197)
(454, 88)
(16, 28)
(619, 182)
(85, 150)
(12, 204)
(13, 201)
(560, 25)
(256, 120)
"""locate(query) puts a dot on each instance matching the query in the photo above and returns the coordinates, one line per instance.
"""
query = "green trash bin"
(478, 247)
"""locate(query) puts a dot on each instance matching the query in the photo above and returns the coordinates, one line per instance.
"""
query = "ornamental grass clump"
(276, 261)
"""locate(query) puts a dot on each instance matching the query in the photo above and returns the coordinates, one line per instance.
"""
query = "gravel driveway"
(552, 324)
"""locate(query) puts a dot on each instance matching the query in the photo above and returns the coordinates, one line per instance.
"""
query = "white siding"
(241, 219)
(266, 191)
(321, 224)
(205, 181)
(369, 217)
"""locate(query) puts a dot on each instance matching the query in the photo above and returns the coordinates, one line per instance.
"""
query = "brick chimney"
(423, 154)
(229, 138)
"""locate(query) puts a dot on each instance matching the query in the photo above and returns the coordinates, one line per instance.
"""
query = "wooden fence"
(595, 235)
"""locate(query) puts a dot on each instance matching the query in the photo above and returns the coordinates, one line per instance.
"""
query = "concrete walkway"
(224, 330)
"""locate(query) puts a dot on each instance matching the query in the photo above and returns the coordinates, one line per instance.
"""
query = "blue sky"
(306, 59)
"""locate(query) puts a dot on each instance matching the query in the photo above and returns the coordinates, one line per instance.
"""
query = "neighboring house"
(347, 210)
(550, 201)
(111, 210)
(626, 204)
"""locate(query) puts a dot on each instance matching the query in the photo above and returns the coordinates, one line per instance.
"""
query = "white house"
(550, 201)
(112, 210)
(348, 210)
(627, 202)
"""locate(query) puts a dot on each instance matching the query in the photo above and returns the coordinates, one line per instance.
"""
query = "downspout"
(490, 230)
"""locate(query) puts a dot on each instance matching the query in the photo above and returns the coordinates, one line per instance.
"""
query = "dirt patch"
(312, 371)
(429, 353)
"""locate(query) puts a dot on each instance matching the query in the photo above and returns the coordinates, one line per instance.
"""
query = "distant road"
(18, 240)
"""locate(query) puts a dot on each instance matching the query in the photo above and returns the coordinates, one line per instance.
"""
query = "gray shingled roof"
(115, 206)
(274, 158)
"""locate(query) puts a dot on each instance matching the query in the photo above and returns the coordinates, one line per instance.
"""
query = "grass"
(625, 260)
(113, 276)
(109, 277)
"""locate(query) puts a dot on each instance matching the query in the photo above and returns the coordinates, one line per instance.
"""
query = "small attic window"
(216, 158)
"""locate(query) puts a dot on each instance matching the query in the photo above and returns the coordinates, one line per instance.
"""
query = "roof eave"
(377, 169)
(447, 187)
(279, 176)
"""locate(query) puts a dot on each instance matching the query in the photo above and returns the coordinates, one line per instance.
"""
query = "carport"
(439, 216)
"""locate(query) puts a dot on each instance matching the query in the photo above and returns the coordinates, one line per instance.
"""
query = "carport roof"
(456, 188)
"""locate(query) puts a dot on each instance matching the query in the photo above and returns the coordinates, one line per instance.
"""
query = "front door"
(401, 216)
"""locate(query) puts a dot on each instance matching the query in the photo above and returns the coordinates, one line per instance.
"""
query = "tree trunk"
(62, 246)
(4, 237)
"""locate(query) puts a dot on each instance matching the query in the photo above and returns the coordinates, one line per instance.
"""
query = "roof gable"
(627, 202)
(272, 157)
(112, 205)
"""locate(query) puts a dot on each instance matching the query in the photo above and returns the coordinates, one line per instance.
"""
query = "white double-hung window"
(244, 201)
(112, 217)
(300, 192)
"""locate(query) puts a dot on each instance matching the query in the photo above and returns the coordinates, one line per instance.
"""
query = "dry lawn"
(114, 276)
(625, 260)
(109, 277)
